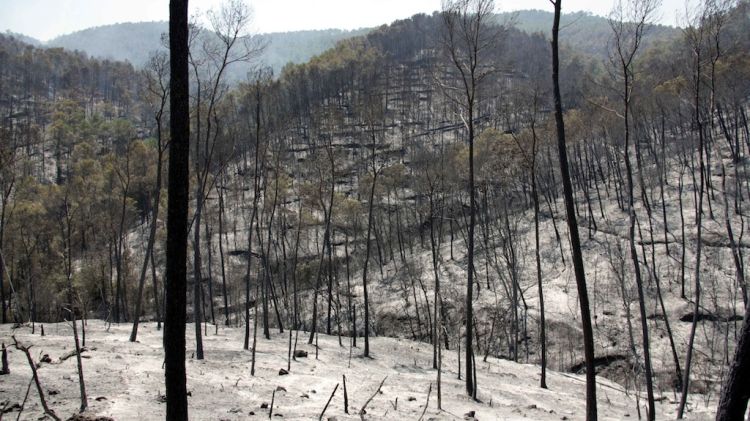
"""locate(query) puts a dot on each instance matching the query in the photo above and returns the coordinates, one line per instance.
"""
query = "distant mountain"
(23, 38)
(581, 31)
(135, 41)
(301, 46)
(131, 42)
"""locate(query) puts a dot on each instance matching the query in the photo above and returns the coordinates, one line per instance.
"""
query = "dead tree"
(177, 214)
(466, 39)
(159, 88)
(736, 390)
(695, 35)
(66, 219)
(575, 242)
(32, 365)
(628, 23)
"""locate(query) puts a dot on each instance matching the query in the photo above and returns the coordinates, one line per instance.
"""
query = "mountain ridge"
(135, 41)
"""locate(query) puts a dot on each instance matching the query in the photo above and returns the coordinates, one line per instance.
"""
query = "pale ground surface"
(125, 380)
(130, 376)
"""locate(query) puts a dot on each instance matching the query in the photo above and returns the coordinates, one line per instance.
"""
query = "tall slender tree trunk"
(2, 262)
(368, 246)
(67, 237)
(221, 254)
(158, 304)
(256, 193)
(537, 255)
(321, 261)
(471, 387)
(736, 256)
(177, 215)
(575, 242)
(120, 295)
(151, 238)
(209, 266)
(197, 275)
(634, 252)
(699, 243)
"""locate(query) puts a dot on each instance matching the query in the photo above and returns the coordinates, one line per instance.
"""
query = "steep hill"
(134, 42)
(368, 135)
(23, 38)
(131, 42)
(582, 31)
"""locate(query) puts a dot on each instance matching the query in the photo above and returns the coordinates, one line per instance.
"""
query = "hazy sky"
(46, 19)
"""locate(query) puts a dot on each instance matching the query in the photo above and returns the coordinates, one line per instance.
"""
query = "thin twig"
(25, 350)
(426, 404)
(362, 411)
(329, 402)
(25, 398)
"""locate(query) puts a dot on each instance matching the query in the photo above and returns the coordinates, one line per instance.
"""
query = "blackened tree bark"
(177, 214)
(6, 191)
(368, 246)
(124, 176)
(66, 227)
(628, 23)
(530, 157)
(575, 242)
(736, 391)
(220, 192)
(261, 76)
(231, 45)
(327, 216)
(467, 37)
(694, 34)
(157, 66)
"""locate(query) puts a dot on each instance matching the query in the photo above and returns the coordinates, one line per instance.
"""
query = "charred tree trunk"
(575, 243)
(177, 215)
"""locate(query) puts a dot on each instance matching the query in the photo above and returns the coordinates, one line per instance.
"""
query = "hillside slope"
(134, 42)
(125, 380)
(581, 31)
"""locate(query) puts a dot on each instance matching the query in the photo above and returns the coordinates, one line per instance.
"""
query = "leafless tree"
(465, 40)
(575, 242)
(210, 56)
(177, 214)
(629, 20)
(158, 86)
